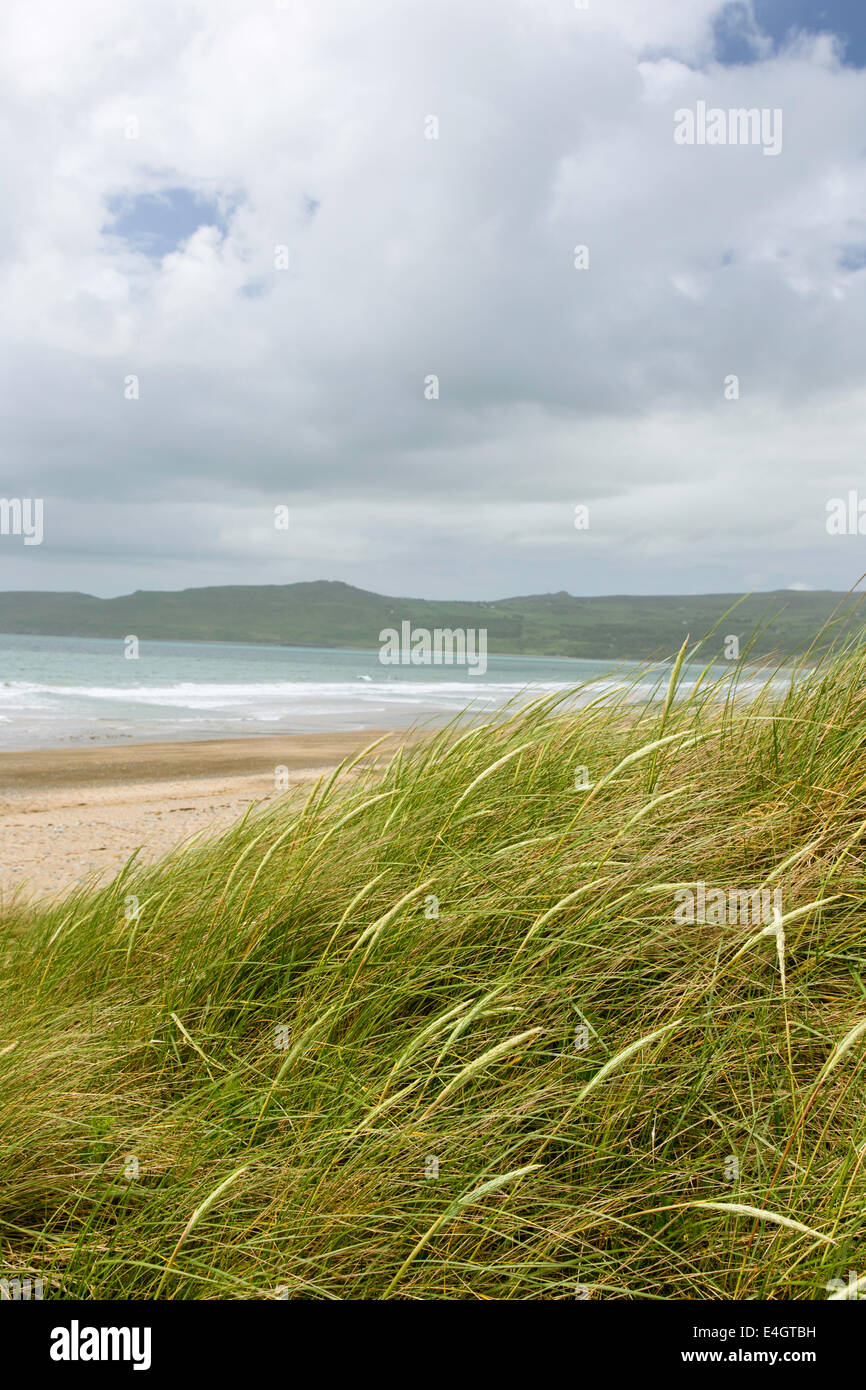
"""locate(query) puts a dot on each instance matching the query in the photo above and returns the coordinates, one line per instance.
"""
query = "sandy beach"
(67, 815)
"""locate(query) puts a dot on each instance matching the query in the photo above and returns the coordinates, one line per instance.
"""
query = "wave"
(215, 695)
(205, 694)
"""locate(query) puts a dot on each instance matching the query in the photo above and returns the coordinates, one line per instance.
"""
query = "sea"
(66, 691)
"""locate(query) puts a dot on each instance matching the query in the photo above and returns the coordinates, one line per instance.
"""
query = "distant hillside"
(329, 614)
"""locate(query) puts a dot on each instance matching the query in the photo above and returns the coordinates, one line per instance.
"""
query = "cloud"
(239, 206)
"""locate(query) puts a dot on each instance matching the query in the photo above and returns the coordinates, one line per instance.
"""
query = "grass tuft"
(432, 1030)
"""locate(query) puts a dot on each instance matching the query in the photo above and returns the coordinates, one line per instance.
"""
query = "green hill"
(331, 614)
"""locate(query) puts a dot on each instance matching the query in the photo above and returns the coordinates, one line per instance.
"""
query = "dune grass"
(432, 1031)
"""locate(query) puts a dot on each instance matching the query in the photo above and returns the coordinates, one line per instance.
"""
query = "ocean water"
(62, 691)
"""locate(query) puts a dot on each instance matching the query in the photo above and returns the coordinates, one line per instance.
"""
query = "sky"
(321, 256)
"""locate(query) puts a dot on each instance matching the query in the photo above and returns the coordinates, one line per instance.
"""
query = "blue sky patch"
(737, 42)
(853, 257)
(157, 223)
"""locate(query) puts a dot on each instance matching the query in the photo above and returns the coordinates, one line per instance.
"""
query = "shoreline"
(72, 815)
(21, 769)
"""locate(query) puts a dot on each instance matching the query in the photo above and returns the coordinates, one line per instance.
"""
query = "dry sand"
(71, 814)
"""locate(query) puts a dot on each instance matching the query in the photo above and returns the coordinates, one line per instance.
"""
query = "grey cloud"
(451, 257)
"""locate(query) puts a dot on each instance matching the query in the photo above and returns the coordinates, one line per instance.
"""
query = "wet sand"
(72, 814)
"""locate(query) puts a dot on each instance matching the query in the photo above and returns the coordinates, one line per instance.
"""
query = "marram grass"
(430, 1031)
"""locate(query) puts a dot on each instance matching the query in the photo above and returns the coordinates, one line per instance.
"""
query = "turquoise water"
(57, 691)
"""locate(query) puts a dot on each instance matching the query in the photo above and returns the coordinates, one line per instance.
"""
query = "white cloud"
(452, 257)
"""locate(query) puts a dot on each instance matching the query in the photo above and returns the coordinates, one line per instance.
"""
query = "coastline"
(72, 815)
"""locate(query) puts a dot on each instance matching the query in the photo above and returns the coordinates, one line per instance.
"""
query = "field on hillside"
(323, 614)
(437, 1029)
